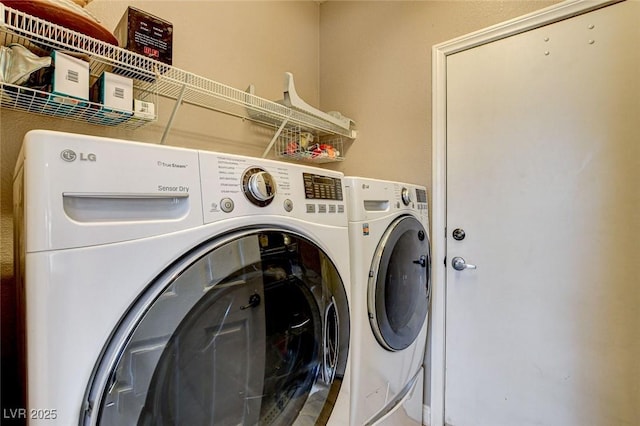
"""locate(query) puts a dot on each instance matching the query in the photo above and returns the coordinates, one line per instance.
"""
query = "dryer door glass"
(252, 329)
(399, 287)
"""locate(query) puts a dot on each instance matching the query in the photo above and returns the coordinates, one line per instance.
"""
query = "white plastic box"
(70, 76)
(112, 97)
(114, 91)
(144, 109)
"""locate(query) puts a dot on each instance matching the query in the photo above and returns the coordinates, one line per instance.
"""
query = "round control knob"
(406, 196)
(259, 186)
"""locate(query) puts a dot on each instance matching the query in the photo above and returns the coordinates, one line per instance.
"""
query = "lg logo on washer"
(70, 155)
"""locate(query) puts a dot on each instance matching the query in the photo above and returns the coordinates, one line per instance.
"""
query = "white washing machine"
(180, 287)
(390, 265)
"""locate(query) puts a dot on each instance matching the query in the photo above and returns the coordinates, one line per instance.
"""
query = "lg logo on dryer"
(70, 155)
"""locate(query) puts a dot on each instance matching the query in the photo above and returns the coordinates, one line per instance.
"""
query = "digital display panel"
(317, 187)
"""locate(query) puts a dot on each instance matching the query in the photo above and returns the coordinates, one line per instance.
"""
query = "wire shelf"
(154, 78)
(151, 79)
(300, 145)
(196, 90)
(45, 103)
(41, 37)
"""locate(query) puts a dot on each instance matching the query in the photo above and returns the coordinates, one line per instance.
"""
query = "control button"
(340, 208)
(226, 205)
(288, 205)
(311, 208)
(332, 208)
(322, 208)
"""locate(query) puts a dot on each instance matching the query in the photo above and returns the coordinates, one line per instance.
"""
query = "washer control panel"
(320, 187)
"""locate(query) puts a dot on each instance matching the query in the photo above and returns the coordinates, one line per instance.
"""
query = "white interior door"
(543, 175)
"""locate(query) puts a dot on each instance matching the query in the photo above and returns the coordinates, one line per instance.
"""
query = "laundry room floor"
(396, 419)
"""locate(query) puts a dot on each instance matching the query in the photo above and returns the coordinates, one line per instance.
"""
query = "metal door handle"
(254, 300)
(459, 264)
(422, 261)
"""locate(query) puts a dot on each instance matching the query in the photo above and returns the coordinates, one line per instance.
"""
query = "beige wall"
(369, 60)
(375, 64)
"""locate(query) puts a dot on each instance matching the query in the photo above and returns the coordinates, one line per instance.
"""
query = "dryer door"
(249, 329)
(399, 284)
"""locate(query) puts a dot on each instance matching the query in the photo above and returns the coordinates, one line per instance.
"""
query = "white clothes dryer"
(168, 286)
(390, 265)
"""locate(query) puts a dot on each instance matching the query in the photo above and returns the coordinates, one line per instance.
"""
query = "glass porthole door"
(399, 285)
(252, 329)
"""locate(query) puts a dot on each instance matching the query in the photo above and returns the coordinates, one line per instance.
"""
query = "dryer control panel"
(234, 186)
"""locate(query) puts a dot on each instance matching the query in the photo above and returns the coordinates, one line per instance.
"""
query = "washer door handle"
(459, 264)
(254, 300)
(422, 261)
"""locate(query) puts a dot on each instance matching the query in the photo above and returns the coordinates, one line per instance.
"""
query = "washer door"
(399, 284)
(249, 329)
